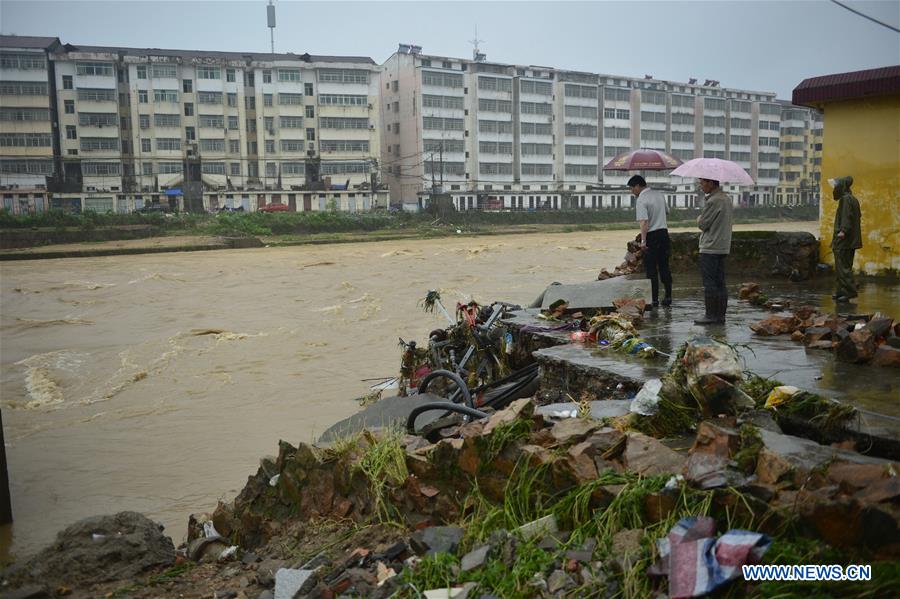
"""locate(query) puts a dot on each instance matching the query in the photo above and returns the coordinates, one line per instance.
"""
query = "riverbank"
(175, 242)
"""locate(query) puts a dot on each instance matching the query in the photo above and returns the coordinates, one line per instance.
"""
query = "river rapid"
(155, 382)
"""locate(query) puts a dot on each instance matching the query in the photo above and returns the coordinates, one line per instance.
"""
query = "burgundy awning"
(814, 91)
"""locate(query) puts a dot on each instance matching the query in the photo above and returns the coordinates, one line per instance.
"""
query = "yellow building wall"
(862, 139)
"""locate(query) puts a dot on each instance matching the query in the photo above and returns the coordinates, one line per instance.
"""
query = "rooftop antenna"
(476, 55)
(270, 17)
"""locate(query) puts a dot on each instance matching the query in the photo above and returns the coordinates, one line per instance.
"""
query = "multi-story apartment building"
(801, 155)
(27, 118)
(498, 135)
(243, 130)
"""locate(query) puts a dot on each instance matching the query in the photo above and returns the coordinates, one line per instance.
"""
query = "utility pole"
(442, 166)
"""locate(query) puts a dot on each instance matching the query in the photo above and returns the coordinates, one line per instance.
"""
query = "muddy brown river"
(155, 382)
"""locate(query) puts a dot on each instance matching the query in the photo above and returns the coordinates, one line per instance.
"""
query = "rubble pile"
(873, 338)
(633, 262)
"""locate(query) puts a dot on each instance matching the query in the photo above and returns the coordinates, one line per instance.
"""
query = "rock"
(475, 558)
(436, 539)
(716, 440)
(28, 592)
(797, 336)
(887, 355)
(521, 408)
(647, 456)
(658, 506)
(249, 558)
(784, 455)
(265, 573)
(816, 334)
(826, 345)
(709, 471)
(859, 346)
(572, 430)
(585, 553)
(102, 548)
(775, 325)
(748, 289)
(539, 528)
(626, 547)
(267, 594)
(580, 461)
(893, 341)
(880, 327)
(852, 477)
(559, 581)
(886, 489)
(805, 312)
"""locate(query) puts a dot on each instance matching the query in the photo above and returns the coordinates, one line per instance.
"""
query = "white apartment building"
(510, 136)
(137, 126)
(27, 117)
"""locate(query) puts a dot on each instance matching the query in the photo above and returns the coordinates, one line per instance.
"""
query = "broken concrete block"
(539, 528)
(647, 456)
(573, 430)
(598, 294)
(475, 558)
(436, 539)
(521, 408)
(291, 582)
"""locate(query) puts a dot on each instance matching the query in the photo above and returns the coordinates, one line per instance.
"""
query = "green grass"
(384, 464)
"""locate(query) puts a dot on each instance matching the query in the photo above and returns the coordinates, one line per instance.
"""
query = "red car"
(275, 208)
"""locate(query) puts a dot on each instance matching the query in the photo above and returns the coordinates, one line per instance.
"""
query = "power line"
(865, 16)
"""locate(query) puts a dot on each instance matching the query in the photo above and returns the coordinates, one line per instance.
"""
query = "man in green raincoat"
(847, 238)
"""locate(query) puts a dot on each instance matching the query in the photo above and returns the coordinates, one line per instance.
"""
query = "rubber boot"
(722, 306)
(710, 298)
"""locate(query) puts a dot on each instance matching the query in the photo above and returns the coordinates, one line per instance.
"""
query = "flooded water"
(155, 382)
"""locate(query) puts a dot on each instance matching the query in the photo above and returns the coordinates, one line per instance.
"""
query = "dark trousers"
(656, 262)
(712, 269)
(843, 269)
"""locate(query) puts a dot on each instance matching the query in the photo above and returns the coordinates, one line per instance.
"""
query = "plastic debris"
(696, 563)
(780, 395)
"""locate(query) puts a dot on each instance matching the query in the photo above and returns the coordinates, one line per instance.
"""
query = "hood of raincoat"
(842, 186)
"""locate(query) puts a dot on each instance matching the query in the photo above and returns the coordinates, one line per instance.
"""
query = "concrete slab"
(599, 409)
(599, 294)
(387, 412)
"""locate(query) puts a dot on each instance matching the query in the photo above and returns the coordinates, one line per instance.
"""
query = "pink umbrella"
(715, 169)
(642, 160)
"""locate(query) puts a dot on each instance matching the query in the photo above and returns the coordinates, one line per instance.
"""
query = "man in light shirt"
(650, 210)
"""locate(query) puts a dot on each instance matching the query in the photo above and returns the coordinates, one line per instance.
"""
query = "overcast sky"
(747, 44)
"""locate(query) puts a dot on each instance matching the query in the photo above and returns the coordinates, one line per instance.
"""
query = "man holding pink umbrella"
(715, 223)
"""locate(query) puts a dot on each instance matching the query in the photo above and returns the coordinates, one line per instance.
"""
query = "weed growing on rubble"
(384, 464)
(503, 436)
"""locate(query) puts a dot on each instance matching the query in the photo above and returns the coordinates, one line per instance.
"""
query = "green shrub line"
(258, 223)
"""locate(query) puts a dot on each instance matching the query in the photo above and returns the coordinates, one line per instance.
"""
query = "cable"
(865, 16)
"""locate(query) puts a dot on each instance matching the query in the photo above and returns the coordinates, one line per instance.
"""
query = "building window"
(311, 135)
(267, 100)
(169, 144)
(308, 89)
(267, 76)
(209, 97)
(141, 71)
(145, 145)
(67, 82)
(209, 73)
(166, 120)
(142, 96)
(269, 123)
(250, 103)
(102, 69)
(190, 134)
(344, 75)
(69, 106)
(291, 122)
(165, 95)
(230, 75)
(147, 168)
(233, 122)
(234, 146)
(71, 132)
(187, 86)
(269, 146)
(164, 71)
(188, 109)
(286, 99)
(144, 121)
(310, 112)
(232, 100)
(289, 75)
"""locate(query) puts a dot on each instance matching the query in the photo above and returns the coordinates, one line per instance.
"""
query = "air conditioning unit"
(312, 146)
